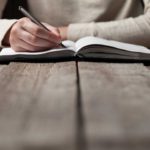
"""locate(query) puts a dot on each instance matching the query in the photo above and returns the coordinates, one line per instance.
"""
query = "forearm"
(131, 30)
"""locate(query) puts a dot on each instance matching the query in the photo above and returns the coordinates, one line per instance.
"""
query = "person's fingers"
(30, 48)
(33, 48)
(18, 49)
(35, 41)
(34, 29)
(22, 46)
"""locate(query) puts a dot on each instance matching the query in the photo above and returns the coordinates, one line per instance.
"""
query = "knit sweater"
(121, 20)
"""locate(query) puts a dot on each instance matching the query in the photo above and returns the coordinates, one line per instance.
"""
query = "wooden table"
(74, 106)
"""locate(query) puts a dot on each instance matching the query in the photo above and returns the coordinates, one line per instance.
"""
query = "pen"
(35, 20)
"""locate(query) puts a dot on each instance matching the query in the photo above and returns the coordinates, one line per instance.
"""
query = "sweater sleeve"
(131, 30)
(5, 25)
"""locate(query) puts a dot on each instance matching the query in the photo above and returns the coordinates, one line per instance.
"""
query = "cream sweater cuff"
(77, 31)
(5, 25)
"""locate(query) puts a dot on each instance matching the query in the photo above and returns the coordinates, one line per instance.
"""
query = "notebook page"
(10, 52)
(87, 41)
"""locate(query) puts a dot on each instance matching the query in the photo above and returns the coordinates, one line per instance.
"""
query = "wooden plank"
(116, 105)
(2, 66)
(37, 106)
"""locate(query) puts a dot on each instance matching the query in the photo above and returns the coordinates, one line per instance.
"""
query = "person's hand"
(27, 36)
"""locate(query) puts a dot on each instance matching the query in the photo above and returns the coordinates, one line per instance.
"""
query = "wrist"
(63, 32)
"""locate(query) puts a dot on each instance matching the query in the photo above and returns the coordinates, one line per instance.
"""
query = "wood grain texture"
(74, 106)
(116, 105)
(2, 66)
(37, 106)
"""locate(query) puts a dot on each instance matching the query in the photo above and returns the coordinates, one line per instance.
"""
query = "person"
(121, 20)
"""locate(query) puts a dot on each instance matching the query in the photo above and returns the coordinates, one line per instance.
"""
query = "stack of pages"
(85, 48)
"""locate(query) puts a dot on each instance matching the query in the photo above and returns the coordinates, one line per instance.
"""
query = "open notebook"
(88, 48)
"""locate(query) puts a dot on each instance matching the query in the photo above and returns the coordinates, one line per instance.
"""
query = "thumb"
(52, 29)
